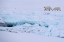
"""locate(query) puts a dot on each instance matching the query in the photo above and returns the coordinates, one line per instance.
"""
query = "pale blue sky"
(28, 5)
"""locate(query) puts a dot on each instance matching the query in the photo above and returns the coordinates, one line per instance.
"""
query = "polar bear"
(47, 8)
(57, 9)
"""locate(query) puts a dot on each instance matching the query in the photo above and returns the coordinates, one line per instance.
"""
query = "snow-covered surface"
(26, 37)
(30, 23)
(41, 23)
(2, 22)
(39, 30)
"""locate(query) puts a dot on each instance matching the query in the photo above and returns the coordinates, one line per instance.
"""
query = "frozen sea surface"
(42, 23)
(27, 22)
(26, 37)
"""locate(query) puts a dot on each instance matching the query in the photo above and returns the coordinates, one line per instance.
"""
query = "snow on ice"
(26, 37)
(35, 22)
(29, 23)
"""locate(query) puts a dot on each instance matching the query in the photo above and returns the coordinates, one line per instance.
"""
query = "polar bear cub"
(57, 9)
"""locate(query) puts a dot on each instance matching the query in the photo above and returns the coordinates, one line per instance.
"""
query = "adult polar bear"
(47, 8)
(57, 9)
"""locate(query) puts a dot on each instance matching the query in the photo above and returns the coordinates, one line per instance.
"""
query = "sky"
(28, 5)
